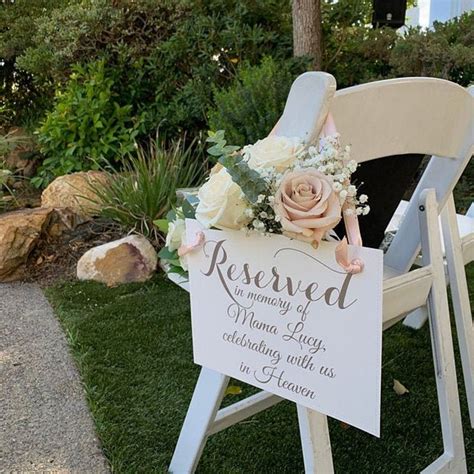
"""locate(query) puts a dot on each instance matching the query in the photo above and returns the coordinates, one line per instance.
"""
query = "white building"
(428, 11)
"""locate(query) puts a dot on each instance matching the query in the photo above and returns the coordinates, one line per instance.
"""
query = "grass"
(133, 348)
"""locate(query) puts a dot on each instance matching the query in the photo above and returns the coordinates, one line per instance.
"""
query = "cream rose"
(221, 203)
(279, 152)
(307, 205)
(176, 237)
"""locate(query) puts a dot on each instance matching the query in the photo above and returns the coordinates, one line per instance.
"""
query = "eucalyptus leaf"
(166, 254)
(251, 183)
(188, 210)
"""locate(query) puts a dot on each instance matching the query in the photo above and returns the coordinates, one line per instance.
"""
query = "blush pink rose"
(307, 205)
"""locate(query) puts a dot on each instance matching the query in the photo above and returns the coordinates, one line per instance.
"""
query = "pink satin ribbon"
(198, 242)
(355, 265)
(351, 222)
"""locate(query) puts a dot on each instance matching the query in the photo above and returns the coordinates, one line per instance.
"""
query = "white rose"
(174, 237)
(183, 260)
(221, 203)
(279, 152)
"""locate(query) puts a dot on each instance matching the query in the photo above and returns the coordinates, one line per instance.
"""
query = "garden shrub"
(251, 106)
(145, 190)
(167, 54)
(168, 57)
(87, 127)
(446, 51)
(22, 98)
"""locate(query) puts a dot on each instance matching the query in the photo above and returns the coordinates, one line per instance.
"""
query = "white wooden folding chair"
(458, 236)
(458, 232)
(379, 119)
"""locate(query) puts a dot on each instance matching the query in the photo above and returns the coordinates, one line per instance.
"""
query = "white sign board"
(282, 316)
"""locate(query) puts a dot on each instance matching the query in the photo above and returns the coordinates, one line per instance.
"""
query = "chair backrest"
(307, 106)
(402, 116)
(393, 117)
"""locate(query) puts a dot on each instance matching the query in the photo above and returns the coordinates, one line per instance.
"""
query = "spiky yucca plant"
(145, 189)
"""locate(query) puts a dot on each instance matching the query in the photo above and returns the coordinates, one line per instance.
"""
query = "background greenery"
(93, 77)
(167, 63)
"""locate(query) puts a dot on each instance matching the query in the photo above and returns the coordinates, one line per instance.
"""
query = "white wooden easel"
(360, 114)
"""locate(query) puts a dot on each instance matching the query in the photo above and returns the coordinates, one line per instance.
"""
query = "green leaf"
(171, 216)
(251, 183)
(215, 150)
(188, 210)
(166, 254)
(179, 270)
(162, 225)
(233, 390)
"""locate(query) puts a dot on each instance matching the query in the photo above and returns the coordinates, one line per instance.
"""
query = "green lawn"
(133, 348)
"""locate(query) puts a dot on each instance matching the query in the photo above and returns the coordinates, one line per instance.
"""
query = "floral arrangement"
(278, 185)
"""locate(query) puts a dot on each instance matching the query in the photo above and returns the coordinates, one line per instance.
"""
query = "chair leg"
(454, 457)
(460, 298)
(315, 441)
(207, 397)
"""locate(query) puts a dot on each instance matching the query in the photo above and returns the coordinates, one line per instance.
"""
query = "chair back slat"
(408, 116)
(307, 106)
(405, 116)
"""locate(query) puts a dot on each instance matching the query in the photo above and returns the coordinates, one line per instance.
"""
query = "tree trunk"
(307, 32)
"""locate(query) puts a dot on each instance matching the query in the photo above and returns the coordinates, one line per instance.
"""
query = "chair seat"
(465, 224)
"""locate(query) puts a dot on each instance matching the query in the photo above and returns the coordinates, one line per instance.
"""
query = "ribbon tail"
(342, 258)
(351, 223)
(198, 242)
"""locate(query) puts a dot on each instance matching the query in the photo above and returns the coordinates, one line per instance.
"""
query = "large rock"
(126, 260)
(20, 231)
(76, 191)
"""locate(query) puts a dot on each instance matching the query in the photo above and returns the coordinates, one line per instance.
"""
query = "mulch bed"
(55, 259)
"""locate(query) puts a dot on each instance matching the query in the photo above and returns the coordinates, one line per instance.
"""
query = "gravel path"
(45, 424)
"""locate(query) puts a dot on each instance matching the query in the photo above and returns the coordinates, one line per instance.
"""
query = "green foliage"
(446, 51)
(87, 127)
(251, 106)
(173, 60)
(167, 54)
(355, 53)
(146, 188)
(219, 146)
(249, 180)
(21, 95)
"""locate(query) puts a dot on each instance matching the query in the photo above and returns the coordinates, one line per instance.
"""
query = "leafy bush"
(446, 51)
(8, 142)
(21, 95)
(146, 188)
(167, 54)
(87, 127)
(251, 106)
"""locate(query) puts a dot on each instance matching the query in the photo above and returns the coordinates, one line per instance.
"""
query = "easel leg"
(207, 397)
(460, 298)
(315, 441)
(454, 457)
